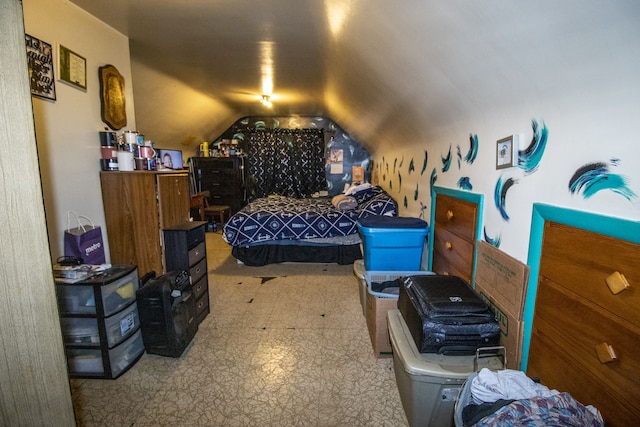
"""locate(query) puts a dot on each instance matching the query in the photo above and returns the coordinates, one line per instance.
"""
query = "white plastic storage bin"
(387, 276)
(359, 271)
(429, 383)
(377, 304)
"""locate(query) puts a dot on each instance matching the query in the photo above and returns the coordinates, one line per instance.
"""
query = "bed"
(279, 229)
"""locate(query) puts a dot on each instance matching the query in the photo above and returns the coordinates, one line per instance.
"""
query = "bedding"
(322, 222)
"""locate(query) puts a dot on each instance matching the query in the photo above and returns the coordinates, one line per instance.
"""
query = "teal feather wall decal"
(446, 161)
(416, 193)
(459, 155)
(465, 183)
(493, 241)
(411, 167)
(423, 208)
(399, 182)
(406, 202)
(529, 158)
(401, 162)
(434, 178)
(594, 177)
(470, 157)
(424, 164)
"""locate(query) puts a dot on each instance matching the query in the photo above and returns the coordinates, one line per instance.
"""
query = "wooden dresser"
(455, 223)
(223, 177)
(137, 206)
(576, 313)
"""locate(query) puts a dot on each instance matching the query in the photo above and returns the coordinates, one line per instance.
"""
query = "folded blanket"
(344, 202)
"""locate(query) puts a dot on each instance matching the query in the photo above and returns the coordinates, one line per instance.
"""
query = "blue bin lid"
(383, 221)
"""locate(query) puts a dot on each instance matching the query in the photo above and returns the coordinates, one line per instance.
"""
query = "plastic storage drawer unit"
(392, 243)
(84, 330)
(429, 383)
(86, 362)
(79, 298)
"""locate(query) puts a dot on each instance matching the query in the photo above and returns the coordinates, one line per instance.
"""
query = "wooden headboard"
(577, 322)
(455, 226)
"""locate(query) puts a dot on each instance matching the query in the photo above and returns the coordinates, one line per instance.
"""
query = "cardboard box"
(511, 329)
(501, 281)
(376, 315)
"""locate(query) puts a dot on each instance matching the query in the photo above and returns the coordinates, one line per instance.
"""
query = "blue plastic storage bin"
(392, 243)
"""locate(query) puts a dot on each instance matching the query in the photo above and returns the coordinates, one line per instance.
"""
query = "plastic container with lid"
(393, 243)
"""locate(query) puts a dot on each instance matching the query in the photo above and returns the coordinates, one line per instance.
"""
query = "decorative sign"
(40, 63)
(72, 68)
(113, 108)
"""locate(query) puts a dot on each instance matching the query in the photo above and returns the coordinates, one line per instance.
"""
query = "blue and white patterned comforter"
(285, 218)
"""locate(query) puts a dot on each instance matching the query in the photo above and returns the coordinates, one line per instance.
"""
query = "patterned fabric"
(558, 410)
(286, 218)
(288, 162)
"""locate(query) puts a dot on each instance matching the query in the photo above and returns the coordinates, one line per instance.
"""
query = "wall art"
(40, 64)
(72, 68)
(112, 103)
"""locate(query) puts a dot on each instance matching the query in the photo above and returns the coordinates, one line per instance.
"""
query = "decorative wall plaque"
(112, 103)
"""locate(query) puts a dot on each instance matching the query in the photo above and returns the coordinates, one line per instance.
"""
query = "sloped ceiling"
(383, 70)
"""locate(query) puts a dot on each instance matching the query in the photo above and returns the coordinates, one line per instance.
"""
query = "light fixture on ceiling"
(266, 101)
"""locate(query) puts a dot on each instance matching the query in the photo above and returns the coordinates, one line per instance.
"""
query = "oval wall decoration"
(112, 103)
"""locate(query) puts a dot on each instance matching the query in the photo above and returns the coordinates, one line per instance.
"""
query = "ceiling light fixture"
(266, 101)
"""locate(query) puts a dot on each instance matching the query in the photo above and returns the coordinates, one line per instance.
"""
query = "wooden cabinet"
(137, 206)
(100, 323)
(576, 313)
(454, 227)
(186, 249)
(223, 177)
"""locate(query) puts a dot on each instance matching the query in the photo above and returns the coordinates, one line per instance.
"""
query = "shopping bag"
(83, 241)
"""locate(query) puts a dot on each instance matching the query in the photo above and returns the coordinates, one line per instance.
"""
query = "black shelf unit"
(186, 249)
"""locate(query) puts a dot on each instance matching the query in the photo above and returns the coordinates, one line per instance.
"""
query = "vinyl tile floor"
(284, 345)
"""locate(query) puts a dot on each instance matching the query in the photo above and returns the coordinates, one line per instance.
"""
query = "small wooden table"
(218, 210)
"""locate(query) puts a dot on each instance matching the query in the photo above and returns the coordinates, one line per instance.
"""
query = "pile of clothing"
(509, 398)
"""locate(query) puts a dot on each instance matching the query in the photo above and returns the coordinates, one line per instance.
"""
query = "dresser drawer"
(458, 252)
(581, 260)
(443, 266)
(195, 236)
(198, 270)
(201, 286)
(568, 326)
(202, 306)
(197, 253)
(458, 216)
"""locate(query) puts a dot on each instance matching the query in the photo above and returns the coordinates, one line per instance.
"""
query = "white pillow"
(357, 188)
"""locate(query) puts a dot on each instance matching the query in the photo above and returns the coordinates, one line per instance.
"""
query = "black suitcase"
(445, 316)
(167, 310)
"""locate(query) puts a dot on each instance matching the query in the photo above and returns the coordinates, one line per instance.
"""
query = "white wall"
(67, 129)
(436, 74)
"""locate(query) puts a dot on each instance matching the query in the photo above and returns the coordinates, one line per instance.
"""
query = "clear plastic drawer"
(79, 298)
(89, 361)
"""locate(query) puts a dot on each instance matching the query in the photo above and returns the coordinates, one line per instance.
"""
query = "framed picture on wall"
(506, 152)
(72, 68)
(40, 65)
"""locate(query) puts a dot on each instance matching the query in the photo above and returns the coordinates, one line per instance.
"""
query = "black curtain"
(288, 162)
